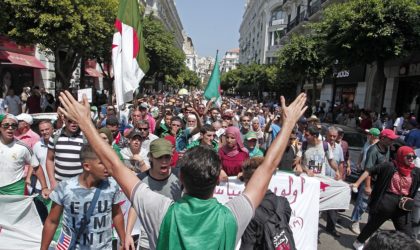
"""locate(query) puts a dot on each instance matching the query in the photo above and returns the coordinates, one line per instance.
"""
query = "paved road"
(328, 242)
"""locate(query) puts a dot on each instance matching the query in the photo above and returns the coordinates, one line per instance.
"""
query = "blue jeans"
(361, 204)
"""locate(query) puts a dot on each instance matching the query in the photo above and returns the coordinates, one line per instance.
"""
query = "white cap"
(26, 118)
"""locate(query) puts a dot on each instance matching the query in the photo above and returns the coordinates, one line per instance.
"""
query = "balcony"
(315, 7)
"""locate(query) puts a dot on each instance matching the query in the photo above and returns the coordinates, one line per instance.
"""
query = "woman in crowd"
(396, 185)
(232, 154)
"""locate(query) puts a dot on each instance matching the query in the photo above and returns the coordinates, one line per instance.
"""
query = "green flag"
(213, 86)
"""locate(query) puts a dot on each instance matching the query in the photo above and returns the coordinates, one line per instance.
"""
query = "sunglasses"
(9, 125)
(411, 157)
(143, 129)
(175, 125)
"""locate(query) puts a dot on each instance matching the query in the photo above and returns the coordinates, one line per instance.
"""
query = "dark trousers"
(388, 209)
(331, 219)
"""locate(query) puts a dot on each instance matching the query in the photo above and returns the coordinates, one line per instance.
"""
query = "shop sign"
(343, 74)
(410, 69)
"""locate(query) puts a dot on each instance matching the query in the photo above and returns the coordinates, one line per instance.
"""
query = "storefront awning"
(21, 59)
(93, 72)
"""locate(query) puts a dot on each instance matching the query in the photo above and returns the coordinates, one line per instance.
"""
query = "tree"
(69, 29)
(165, 58)
(302, 59)
(368, 31)
(253, 78)
(186, 78)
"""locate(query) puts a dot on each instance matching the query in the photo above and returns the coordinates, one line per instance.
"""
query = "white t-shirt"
(398, 124)
(13, 158)
(40, 150)
(151, 208)
(315, 157)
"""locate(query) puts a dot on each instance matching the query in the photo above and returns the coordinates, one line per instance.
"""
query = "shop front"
(408, 96)
(346, 86)
(17, 66)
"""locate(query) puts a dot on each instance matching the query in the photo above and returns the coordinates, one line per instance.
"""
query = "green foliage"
(254, 78)
(302, 58)
(70, 29)
(186, 78)
(165, 58)
(364, 31)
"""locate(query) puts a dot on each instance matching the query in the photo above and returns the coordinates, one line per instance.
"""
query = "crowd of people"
(166, 153)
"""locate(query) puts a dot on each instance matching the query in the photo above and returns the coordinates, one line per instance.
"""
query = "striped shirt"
(67, 155)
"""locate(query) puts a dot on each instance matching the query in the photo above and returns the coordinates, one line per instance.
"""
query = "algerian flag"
(128, 54)
(213, 86)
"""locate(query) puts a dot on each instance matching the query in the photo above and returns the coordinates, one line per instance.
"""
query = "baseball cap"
(160, 147)
(26, 118)
(373, 131)
(251, 135)
(5, 116)
(388, 133)
(134, 132)
(313, 118)
(144, 105)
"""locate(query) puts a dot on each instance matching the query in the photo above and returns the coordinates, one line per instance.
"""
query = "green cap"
(160, 147)
(251, 135)
(374, 132)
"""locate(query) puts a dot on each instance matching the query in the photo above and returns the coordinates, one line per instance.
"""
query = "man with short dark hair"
(207, 135)
(134, 157)
(63, 157)
(208, 222)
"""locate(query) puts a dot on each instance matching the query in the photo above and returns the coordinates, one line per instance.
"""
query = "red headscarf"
(403, 168)
(231, 152)
(175, 155)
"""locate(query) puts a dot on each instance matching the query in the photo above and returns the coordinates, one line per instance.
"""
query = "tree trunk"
(313, 92)
(378, 88)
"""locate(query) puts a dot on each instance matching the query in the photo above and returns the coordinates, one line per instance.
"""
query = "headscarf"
(108, 134)
(403, 168)
(231, 152)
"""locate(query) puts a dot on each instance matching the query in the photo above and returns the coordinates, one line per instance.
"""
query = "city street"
(328, 242)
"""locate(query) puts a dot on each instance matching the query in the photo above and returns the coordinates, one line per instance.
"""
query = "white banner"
(306, 195)
(20, 225)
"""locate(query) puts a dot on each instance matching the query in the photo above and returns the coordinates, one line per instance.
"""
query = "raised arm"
(80, 112)
(258, 184)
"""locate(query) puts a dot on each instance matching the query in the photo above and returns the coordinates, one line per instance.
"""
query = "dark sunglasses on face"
(143, 129)
(411, 157)
(70, 121)
(9, 125)
(175, 125)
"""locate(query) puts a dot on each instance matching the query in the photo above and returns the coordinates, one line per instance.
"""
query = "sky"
(211, 24)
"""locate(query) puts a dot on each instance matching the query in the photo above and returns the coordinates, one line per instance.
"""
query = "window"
(278, 16)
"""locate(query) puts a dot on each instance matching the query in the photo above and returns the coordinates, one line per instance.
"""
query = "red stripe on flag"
(118, 25)
(136, 44)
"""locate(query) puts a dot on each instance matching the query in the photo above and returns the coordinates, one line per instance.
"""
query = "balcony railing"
(315, 7)
(278, 22)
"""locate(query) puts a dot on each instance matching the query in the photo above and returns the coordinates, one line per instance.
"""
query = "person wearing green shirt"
(207, 135)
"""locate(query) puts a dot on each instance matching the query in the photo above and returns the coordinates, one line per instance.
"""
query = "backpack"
(276, 233)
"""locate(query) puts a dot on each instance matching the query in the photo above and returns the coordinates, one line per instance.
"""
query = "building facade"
(190, 53)
(268, 25)
(204, 68)
(230, 60)
(166, 11)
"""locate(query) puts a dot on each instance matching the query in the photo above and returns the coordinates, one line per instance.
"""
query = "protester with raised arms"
(209, 223)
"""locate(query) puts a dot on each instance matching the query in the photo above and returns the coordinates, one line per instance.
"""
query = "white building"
(263, 24)
(166, 11)
(230, 60)
(190, 53)
(204, 68)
